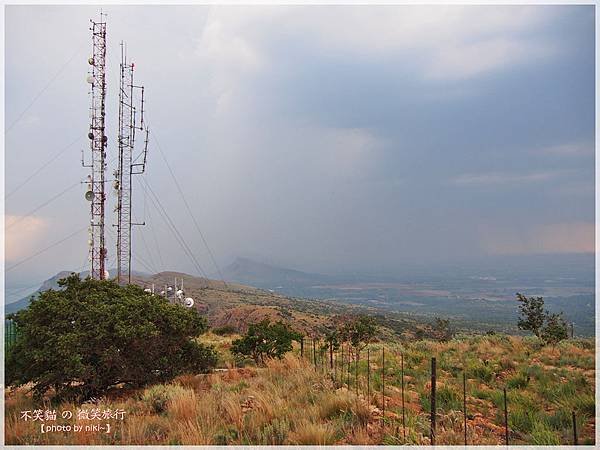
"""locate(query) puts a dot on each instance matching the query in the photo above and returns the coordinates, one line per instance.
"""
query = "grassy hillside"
(238, 306)
(293, 402)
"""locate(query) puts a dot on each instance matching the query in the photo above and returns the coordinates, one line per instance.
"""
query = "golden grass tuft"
(310, 433)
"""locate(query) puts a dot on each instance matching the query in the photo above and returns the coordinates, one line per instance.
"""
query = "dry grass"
(291, 402)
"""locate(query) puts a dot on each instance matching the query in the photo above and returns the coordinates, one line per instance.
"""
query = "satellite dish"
(91, 135)
(91, 61)
(106, 275)
(90, 79)
(89, 196)
(104, 138)
(169, 289)
(148, 290)
(179, 293)
(188, 302)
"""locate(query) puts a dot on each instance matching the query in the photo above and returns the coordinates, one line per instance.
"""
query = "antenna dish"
(90, 135)
(91, 61)
(148, 290)
(106, 274)
(90, 79)
(188, 302)
(89, 196)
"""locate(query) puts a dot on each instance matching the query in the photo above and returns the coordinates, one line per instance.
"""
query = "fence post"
(349, 368)
(383, 386)
(572, 330)
(302, 347)
(402, 384)
(342, 368)
(368, 376)
(356, 369)
(331, 355)
(314, 352)
(465, 404)
(335, 362)
(432, 401)
(505, 418)
(574, 429)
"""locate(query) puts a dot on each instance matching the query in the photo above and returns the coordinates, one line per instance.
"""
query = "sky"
(323, 138)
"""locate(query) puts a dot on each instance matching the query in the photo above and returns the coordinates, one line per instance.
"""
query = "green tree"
(265, 340)
(359, 332)
(532, 314)
(93, 335)
(554, 329)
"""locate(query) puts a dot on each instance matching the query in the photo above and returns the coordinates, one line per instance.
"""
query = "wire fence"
(10, 334)
(346, 370)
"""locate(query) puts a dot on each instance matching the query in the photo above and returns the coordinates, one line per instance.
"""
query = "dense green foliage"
(359, 332)
(532, 313)
(554, 330)
(265, 340)
(550, 328)
(92, 335)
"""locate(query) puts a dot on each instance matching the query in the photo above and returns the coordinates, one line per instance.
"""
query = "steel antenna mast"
(98, 143)
(128, 124)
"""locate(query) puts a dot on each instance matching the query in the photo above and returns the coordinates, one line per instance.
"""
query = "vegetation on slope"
(290, 401)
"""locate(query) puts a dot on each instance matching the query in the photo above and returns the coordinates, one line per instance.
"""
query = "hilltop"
(238, 305)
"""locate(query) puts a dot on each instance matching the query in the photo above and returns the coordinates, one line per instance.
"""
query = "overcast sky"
(321, 138)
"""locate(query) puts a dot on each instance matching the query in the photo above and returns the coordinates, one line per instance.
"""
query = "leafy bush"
(93, 335)
(550, 328)
(264, 340)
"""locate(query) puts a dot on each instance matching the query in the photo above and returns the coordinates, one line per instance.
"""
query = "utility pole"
(98, 142)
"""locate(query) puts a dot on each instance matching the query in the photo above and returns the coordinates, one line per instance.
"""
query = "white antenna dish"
(188, 302)
(106, 274)
(90, 79)
(179, 293)
(169, 289)
(89, 196)
(91, 61)
(148, 290)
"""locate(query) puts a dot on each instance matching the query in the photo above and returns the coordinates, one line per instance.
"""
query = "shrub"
(264, 340)
(555, 329)
(93, 335)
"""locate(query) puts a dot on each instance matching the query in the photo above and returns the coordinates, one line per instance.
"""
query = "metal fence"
(10, 334)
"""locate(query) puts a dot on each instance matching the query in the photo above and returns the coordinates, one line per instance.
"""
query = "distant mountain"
(50, 283)
(253, 273)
